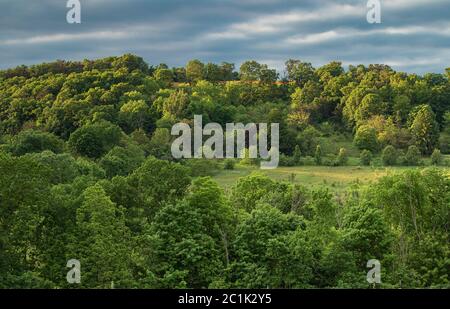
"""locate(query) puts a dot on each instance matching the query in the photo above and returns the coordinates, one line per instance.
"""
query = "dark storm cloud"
(414, 35)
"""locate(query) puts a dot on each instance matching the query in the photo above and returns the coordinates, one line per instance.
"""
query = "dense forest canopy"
(86, 172)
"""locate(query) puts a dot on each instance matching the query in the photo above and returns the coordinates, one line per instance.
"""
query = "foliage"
(389, 155)
(365, 157)
(86, 173)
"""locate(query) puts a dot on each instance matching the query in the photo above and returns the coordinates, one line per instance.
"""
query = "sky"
(414, 35)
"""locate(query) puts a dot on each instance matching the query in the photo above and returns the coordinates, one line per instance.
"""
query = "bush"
(229, 164)
(365, 157)
(307, 161)
(342, 157)
(412, 156)
(389, 155)
(436, 157)
(287, 161)
(366, 138)
(444, 142)
(202, 167)
(318, 155)
(296, 156)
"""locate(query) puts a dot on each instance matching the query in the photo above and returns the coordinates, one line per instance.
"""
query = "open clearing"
(334, 178)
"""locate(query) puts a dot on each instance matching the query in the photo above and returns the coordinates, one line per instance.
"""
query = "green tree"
(365, 157)
(389, 155)
(195, 70)
(300, 72)
(413, 155)
(122, 161)
(94, 140)
(342, 157)
(297, 154)
(424, 129)
(29, 141)
(101, 242)
(135, 115)
(318, 155)
(164, 75)
(194, 235)
(366, 138)
(436, 157)
(272, 251)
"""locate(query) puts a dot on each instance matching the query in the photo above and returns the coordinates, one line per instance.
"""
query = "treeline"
(376, 105)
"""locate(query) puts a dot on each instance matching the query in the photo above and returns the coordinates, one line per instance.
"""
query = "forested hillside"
(86, 173)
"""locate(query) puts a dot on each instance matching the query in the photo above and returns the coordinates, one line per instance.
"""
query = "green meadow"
(335, 178)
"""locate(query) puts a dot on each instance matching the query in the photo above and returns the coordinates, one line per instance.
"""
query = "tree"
(389, 155)
(159, 144)
(122, 161)
(164, 75)
(300, 72)
(157, 182)
(318, 155)
(195, 70)
(370, 105)
(135, 115)
(413, 155)
(250, 71)
(101, 242)
(213, 72)
(366, 138)
(24, 196)
(342, 157)
(94, 140)
(29, 141)
(424, 129)
(250, 190)
(402, 108)
(254, 71)
(194, 235)
(297, 154)
(436, 157)
(365, 157)
(227, 71)
(272, 251)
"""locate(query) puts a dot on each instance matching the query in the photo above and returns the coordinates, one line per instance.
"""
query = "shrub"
(229, 164)
(287, 161)
(202, 167)
(297, 154)
(318, 155)
(444, 142)
(436, 157)
(366, 138)
(342, 157)
(365, 157)
(412, 156)
(307, 161)
(389, 155)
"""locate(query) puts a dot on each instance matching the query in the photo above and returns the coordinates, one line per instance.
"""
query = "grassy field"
(334, 178)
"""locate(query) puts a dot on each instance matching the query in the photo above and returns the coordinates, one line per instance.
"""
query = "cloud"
(413, 36)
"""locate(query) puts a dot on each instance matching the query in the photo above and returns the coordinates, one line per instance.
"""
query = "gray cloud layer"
(414, 35)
